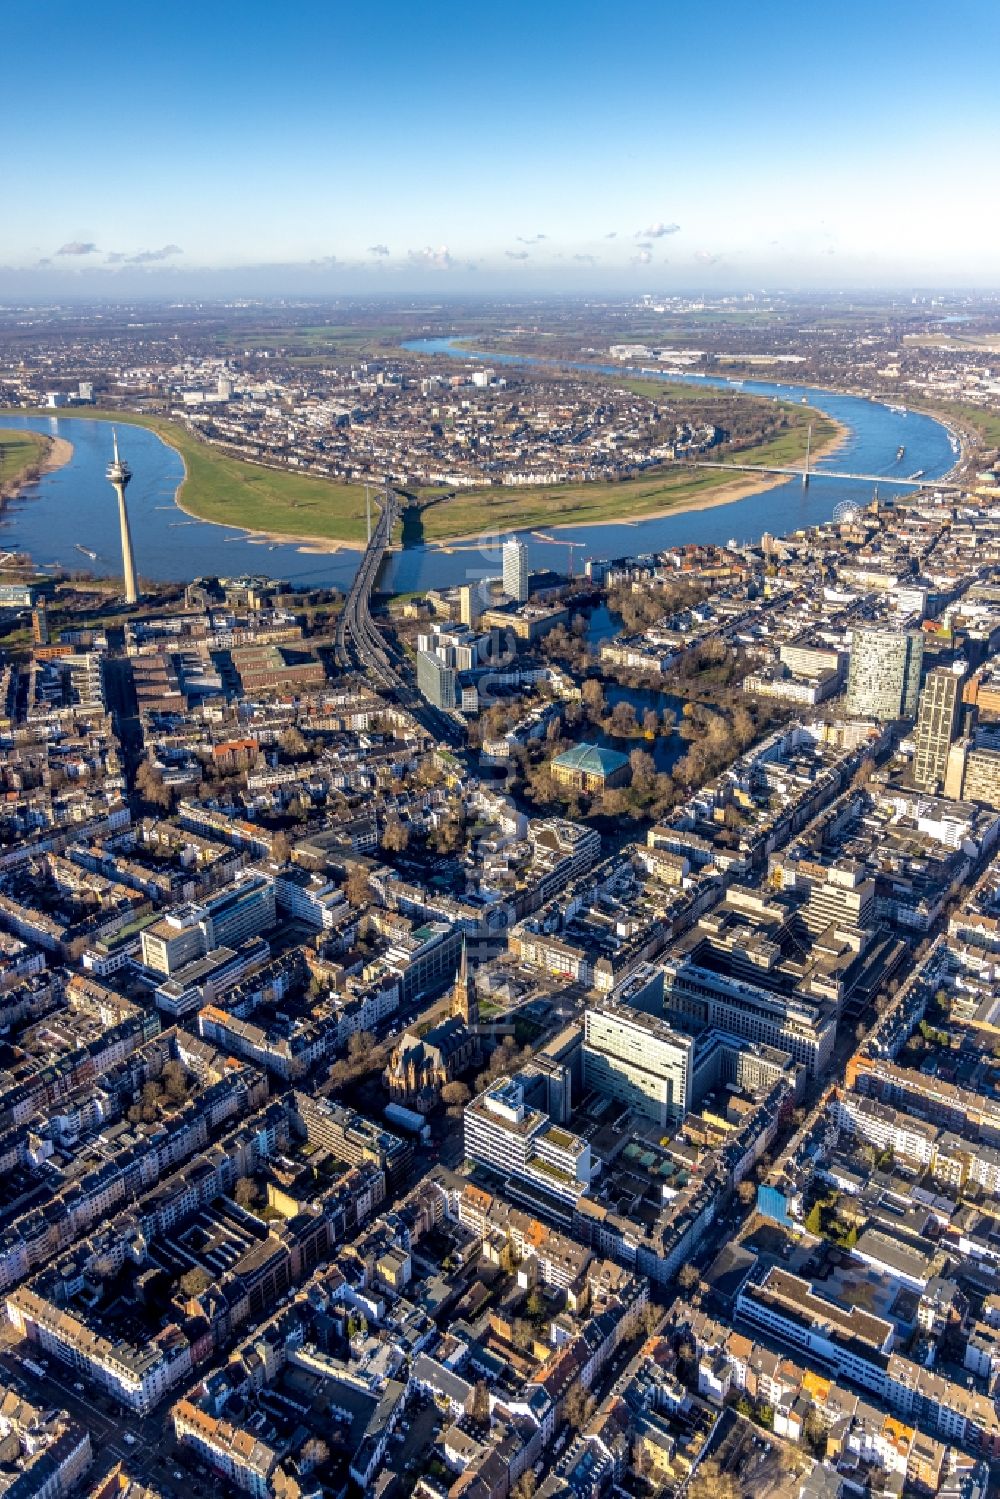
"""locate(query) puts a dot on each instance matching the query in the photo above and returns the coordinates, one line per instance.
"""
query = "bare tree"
(623, 720)
(395, 836)
(193, 1282)
(293, 743)
(358, 887)
(360, 1046)
(314, 1452)
(641, 1461)
(578, 1407)
(592, 694)
(149, 784)
(245, 1192)
(281, 848)
(710, 1482)
(480, 1409)
(174, 1081)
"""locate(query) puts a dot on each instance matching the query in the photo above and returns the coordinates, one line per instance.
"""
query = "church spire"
(465, 1002)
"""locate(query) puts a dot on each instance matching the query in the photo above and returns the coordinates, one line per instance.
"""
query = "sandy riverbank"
(56, 454)
(59, 454)
(729, 491)
(740, 487)
(310, 545)
(725, 492)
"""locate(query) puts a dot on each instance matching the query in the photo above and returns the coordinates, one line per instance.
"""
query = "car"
(129, 1439)
(78, 1386)
(178, 1475)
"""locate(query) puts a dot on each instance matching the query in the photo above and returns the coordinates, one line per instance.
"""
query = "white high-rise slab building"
(515, 570)
(638, 1059)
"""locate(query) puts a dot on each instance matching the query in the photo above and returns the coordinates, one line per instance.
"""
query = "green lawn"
(488, 510)
(231, 492)
(19, 451)
(789, 447)
(986, 423)
(318, 346)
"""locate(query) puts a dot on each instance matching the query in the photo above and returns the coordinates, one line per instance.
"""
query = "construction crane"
(558, 541)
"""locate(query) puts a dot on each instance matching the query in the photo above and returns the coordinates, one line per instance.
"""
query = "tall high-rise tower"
(515, 569)
(120, 474)
(468, 604)
(937, 725)
(884, 675)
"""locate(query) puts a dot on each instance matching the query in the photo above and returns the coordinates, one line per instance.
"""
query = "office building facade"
(806, 1029)
(436, 681)
(974, 774)
(515, 570)
(640, 1060)
(937, 725)
(884, 677)
(538, 1159)
(228, 918)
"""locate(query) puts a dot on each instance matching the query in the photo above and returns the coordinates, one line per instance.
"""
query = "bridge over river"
(910, 481)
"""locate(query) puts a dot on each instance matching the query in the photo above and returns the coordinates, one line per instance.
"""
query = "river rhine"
(72, 512)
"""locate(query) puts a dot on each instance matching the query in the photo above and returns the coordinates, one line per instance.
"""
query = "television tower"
(119, 473)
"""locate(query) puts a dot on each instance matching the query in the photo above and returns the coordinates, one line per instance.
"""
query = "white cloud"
(440, 259)
(143, 257)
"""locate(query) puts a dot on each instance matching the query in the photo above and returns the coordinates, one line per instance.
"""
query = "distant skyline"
(224, 150)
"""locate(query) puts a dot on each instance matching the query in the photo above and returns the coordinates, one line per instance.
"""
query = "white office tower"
(515, 570)
(638, 1059)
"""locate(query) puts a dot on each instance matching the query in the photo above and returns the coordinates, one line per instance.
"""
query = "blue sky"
(545, 147)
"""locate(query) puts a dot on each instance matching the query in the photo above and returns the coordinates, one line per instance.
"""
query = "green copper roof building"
(591, 767)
